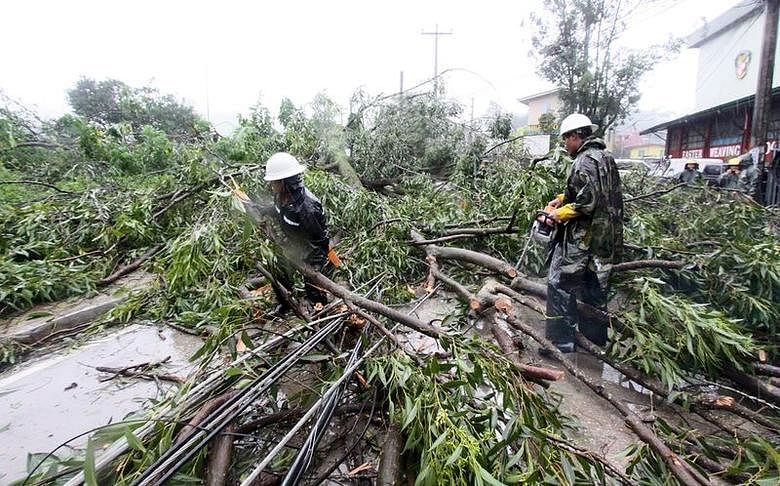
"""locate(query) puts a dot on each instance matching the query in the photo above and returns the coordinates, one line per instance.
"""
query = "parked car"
(712, 171)
(626, 165)
(671, 168)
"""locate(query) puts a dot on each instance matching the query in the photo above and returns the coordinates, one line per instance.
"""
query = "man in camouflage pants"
(588, 236)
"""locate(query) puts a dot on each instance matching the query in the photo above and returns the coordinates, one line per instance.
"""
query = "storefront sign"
(723, 151)
(692, 153)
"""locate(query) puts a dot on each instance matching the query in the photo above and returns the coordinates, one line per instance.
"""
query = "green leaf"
(454, 456)
(487, 477)
(411, 414)
(90, 477)
(233, 371)
(133, 441)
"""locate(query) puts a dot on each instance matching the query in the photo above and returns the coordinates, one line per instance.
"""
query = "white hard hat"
(575, 121)
(282, 165)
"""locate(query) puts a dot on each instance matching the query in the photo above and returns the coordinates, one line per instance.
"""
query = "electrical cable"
(166, 466)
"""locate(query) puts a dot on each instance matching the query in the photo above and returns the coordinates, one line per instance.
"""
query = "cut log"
(753, 385)
(219, 456)
(766, 370)
(389, 473)
(528, 371)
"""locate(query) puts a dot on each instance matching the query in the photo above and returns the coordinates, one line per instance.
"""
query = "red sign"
(723, 151)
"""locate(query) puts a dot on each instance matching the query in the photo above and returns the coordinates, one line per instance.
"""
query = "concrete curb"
(36, 330)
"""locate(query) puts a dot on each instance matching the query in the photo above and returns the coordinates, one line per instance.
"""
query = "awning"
(747, 100)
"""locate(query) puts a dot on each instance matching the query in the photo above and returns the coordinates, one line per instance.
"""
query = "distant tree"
(548, 123)
(112, 101)
(501, 126)
(577, 51)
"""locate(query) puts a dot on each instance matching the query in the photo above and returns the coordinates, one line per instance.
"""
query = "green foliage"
(405, 136)
(111, 101)
(667, 336)
(577, 52)
(755, 457)
(735, 248)
(548, 124)
(481, 424)
(501, 126)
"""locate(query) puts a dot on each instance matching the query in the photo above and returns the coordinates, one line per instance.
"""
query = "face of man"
(691, 166)
(571, 142)
(277, 186)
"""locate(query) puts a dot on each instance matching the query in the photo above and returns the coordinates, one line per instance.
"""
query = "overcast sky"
(222, 57)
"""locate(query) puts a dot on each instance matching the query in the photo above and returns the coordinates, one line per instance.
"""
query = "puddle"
(49, 400)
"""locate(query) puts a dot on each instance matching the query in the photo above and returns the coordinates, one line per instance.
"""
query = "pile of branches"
(696, 323)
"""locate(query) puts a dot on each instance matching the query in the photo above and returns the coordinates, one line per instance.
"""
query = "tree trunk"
(389, 473)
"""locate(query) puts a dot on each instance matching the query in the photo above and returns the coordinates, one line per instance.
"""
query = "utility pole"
(401, 89)
(208, 113)
(763, 101)
(436, 35)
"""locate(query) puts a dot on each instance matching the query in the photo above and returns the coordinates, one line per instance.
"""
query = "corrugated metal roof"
(701, 114)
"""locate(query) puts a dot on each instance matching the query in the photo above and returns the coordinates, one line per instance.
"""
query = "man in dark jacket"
(588, 237)
(691, 173)
(730, 178)
(302, 219)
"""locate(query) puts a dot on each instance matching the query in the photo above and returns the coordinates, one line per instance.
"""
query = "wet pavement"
(48, 400)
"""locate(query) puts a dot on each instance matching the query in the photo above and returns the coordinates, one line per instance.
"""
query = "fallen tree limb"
(45, 184)
(205, 410)
(637, 264)
(716, 402)
(219, 455)
(131, 267)
(504, 341)
(477, 258)
(508, 347)
(325, 283)
(712, 466)
(455, 286)
(140, 371)
(389, 471)
(766, 370)
(753, 385)
(684, 473)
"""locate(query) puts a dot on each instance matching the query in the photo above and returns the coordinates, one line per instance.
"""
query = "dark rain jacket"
(690, 176)
(304, 223)
(729, 180)
(748, 181)
(593, 190)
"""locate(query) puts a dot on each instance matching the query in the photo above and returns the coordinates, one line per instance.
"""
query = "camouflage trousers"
(574, 275)
(284, 274)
